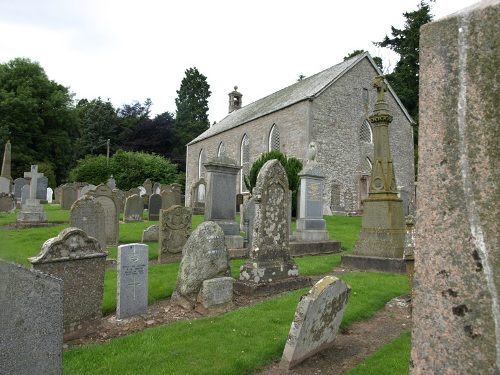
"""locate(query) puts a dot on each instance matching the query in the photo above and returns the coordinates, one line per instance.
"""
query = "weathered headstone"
(18, 185)
(167, 199)
(132, 284)
(148, 185)
(58, 195)
(154, 207)
(68, 196)
(175, 229)
(88, 215)
(220, 205)
(120, 198)
(204, 257)
(151, 234)
(134, 207)
(32, 210)
(7, 203)
(317, 321)
(31, 321)
(87, 188)
(456, 296)
(176, 190)
(79, 261)
(103, 194)
(217, 292)
(270, 253)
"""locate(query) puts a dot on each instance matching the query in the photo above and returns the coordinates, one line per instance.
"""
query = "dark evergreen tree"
(378, 60)
(191, 117)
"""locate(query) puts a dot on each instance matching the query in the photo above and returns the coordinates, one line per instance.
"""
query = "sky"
(128, 51)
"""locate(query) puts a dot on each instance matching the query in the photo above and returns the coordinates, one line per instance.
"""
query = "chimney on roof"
(234, 100)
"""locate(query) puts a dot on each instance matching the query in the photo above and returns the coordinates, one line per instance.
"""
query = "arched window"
(222, 150)
(245, 161)
(365, 133)
(369, 163)
(274, 139)
(201, 169)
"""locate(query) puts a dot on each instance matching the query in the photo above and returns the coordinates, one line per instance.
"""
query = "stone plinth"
(456, 295)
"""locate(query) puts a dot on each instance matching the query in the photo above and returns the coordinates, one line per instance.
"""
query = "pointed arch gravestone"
(270, 267)
(104, 195)
(79, 261)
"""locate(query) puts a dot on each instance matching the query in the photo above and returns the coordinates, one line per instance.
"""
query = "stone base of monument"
(268, 271)
(310, 235)
(234, 242)
(299, 249)
(243, 287)
(376, 264)
(32, 213)
(386, 243)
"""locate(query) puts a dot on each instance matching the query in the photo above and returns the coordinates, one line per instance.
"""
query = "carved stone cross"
(381, 86)
(34, 175)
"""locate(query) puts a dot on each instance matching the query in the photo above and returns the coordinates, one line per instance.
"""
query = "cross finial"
(381, 86)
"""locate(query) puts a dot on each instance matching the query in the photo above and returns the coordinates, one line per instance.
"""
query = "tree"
(37, 116)
(129, 116)
(378, 60)
(191, 117)
(405, 77)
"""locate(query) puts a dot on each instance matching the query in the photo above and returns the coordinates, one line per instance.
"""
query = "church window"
(201, 159)
(365, 95)
(245, 161)
(274, 139)
(222, 150)
(365, 133)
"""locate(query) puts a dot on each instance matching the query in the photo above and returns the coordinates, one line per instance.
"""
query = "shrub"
(91, 169)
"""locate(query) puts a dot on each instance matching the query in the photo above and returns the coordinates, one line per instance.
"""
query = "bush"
(292, 168)
(91, 169)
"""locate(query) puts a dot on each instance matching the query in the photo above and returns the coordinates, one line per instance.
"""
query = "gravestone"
(456, 295)
(175, 229)
(156, 188)
(270, 253)
(148, 185)
(133, 191)
(316, 321)
(31, 321)
(111, 183)
(151, 234)
(154, 207)
(87, 188)
(248, 220)
(134, 207)
(220, 205)
(132, 284)
(18, 185)
(167, 199)
(176, 190)
(310, 223)
(50, 195)
(7, 203)
(142, 191)
(68, 196)
(41, 189)
(32, 210)
(25, 194)
(79, 261)
(58, 195)
(103, 194)
(5, 185)
(198, 197)
(120, 198)
(217, 292)
(88, 215)
(204, 257)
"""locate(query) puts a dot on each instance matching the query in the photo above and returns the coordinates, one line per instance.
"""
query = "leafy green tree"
(191, 117)
(405, 77)
(292, 168)
(37, 116)
(91, 169)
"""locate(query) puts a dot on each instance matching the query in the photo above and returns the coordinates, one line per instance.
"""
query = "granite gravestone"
(41, 189)
(132, 284)
(88, 215)
(134, 208)
(316, 321)
(68, 196)
(175, 229)
(456, 296)
(31, 321)
(204, 257)
(25, 194)
(18, 185)
(220, 204)
(154, 207)
(79, 261)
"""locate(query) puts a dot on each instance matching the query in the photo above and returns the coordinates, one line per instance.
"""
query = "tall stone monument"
(220, 205)
(383, 230)
(32, 210)
(7, 162)
(456, 295)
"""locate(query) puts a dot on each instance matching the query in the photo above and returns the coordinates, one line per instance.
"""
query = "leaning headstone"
(132, 284)
(68, 196)
(88, 215)
(204, 257)
(31, 321)
(79, 261)
(456, 295)
(220, 205)
(41, 189)
(18, 185)
(134, 208)
(151, 234)
(5, 185)
(104, 196)
(7, 203)
(317, 320)
(154, 207)
(175, 229)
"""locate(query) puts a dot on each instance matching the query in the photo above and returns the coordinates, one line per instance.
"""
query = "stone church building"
(330, 108)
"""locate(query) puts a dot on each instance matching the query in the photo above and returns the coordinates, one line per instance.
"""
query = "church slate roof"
(305, 89)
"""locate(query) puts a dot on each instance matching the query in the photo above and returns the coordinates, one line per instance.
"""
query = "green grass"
(344, 229)
(392, 359)
(241, 342)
